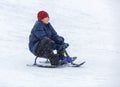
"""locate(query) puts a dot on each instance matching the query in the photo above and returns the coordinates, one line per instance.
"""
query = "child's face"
(45, 20)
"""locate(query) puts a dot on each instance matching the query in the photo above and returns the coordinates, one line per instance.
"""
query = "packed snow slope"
(91, 27)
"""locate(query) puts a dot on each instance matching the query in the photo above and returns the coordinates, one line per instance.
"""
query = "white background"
(91, 27)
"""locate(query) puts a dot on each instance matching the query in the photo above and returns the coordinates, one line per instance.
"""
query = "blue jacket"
(39, 31)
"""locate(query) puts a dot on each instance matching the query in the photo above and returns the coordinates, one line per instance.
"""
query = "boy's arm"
(58, 39)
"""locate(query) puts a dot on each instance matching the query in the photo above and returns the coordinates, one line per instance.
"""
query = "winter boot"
(54, 59)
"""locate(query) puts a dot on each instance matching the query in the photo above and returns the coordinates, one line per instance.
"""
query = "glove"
(60, 40)
(63, 46)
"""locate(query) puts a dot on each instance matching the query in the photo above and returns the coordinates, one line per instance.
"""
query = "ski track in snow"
(90, 26)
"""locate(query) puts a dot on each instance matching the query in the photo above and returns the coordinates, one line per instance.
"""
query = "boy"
(44, 39)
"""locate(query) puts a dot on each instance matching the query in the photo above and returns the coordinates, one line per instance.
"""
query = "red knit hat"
(42, 14)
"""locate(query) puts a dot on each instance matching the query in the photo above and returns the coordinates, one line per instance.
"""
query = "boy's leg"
(54, 59)
(61, 53)
(61, 50)
(45, 49)
(43, 46)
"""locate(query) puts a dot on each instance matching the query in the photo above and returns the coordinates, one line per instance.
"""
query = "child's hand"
(60, 40)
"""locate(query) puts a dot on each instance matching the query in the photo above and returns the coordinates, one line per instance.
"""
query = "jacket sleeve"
(58, 39)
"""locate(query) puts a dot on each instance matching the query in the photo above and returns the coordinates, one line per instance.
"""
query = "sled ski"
(66, 61)
(57, 66)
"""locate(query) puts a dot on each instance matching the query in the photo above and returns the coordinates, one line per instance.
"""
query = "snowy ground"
(91, 27)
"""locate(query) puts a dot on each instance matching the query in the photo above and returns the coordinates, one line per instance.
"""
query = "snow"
(91, 27)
